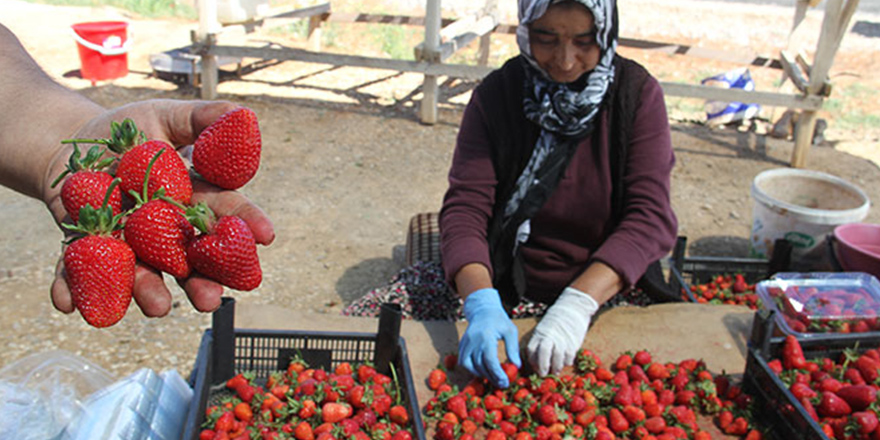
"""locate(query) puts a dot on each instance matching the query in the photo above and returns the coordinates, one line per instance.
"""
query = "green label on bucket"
(799, 239)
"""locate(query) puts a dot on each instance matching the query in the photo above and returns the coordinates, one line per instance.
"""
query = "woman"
(559, 191)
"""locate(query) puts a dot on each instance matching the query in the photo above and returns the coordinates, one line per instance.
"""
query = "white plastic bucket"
(803, 207)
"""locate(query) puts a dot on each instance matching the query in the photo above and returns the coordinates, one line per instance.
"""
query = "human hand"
(561, 331)
(177, 123)
(487, 323)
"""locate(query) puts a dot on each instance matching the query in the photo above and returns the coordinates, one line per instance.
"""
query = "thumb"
(181, 122)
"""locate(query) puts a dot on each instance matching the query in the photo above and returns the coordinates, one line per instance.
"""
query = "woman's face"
(563, 41)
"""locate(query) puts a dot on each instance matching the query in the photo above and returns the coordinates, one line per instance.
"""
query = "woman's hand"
(178, 123)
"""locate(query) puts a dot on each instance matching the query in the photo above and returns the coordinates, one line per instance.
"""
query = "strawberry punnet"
(99, 267)
(87, 183)
(227, 153)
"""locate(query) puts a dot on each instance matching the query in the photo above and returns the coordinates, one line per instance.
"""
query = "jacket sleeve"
(648, 227)
(470, 197)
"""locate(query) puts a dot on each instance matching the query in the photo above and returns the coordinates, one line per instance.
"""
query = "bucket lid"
(851, 212)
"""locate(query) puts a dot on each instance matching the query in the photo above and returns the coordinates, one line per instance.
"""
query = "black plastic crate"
(685, 272)
(778, 408)
(225, 351)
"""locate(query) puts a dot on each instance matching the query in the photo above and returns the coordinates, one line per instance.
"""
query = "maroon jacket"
(576, 224)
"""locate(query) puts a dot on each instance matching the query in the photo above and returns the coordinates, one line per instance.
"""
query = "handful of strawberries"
(143, 212)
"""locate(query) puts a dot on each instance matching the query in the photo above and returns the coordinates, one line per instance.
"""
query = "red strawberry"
(831, 405)
(87, 184)
(226, 253)
(793, 354)
(157, 230)
(168, 172)
(436, 378)
(99, 268)
(159, 233)
(227, 153)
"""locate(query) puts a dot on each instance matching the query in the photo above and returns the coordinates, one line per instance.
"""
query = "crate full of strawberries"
(813, 388)
(265, 384)
(723, 280)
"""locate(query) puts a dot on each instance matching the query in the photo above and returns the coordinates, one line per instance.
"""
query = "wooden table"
(717, 334)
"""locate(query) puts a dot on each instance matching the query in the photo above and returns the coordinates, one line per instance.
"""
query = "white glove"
(560, 333)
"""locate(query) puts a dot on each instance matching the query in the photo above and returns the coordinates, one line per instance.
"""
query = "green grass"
(144, 8)
(846, 109)
(395, 41)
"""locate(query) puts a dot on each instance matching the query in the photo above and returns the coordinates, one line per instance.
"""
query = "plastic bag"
(143, 406)
(718, 112)
(40, 394)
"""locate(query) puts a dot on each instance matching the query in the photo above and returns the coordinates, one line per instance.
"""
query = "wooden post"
(314, 37)
(491, 8)
(432, 43)
(208, 27)
(838, 14)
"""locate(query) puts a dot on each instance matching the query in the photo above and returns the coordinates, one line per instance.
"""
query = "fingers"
(224, 202)
(557, 360)
(203, 294)
(493, 367)
(511, 344)
(150, 292)
(60, 293)
(540, 350)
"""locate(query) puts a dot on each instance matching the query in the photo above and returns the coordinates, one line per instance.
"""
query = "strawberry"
(158, 232)
(831, 405)
(793, 354)
(227, 152)
(436, 378)
(99, 267)
(87, 183)
(168, 172)
(858, 396)
(137, 152)
(225, 251)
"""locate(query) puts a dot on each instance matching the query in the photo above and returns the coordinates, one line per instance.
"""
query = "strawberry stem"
(123, 136)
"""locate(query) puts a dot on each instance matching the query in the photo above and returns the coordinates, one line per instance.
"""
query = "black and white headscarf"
(559, 109)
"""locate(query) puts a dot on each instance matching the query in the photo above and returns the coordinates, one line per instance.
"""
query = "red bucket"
(103, 49)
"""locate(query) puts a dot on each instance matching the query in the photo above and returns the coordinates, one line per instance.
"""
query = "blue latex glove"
(487, 323)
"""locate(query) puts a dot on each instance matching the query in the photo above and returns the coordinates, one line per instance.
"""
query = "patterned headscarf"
(559, 109)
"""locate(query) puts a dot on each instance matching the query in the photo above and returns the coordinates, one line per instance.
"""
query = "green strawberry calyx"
(199, 215)
(92, 161)
(96, 221)
(123, 137)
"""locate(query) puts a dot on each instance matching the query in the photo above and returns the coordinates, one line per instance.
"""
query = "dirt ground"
(347, 163)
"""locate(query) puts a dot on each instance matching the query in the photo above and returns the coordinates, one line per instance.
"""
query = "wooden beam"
(793, 71)
(740, 95)
(458, 35)
(292, 54)
(309, 11)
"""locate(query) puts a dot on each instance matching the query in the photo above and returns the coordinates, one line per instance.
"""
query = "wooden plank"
(292, 54)
(309, 11)
(793, 71)
(740, 95)
(702, 52)
(457, 36)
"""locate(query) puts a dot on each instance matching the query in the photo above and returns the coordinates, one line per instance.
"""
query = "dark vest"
(513, 138)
